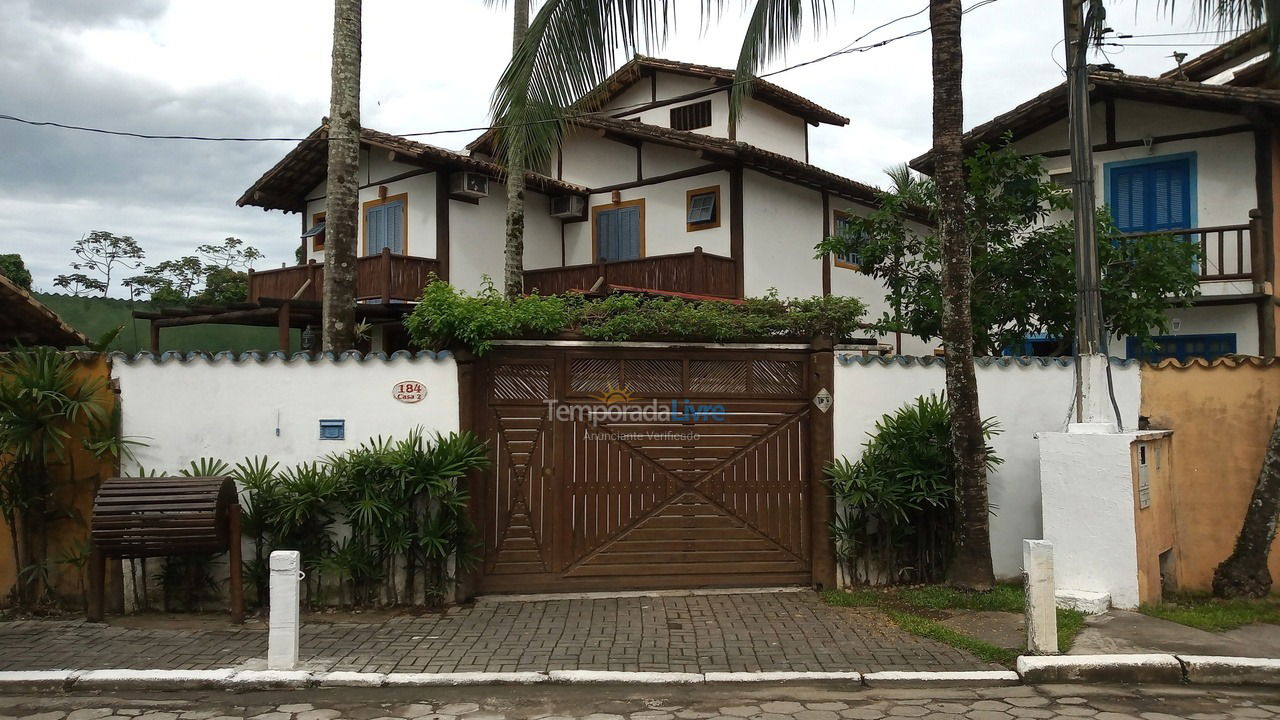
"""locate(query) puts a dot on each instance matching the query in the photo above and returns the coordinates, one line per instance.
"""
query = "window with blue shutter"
(844, 229)
(384, 227)
(619, 233)
(1209, 346)
(1152, 196)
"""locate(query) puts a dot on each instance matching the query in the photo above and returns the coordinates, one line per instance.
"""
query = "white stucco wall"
(1088, 511)
(590, 160)
(375, 169)
(1025, 398)
(232, 409)
(772, 129)
(781, 224)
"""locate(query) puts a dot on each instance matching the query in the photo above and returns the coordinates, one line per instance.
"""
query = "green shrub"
(446, 317)
(896, 522)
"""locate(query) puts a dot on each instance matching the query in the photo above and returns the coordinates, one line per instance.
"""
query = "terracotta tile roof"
(1237, 50)
(1051, 105)
(763, 90)
(637, 67)
(26, 320)
(732, 151)
(285, 185)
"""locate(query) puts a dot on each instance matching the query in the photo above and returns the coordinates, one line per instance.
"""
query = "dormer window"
(691, 117)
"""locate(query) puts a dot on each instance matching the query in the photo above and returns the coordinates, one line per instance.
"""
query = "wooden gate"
(641, 469)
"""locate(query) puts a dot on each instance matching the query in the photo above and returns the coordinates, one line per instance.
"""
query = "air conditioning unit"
(469, 184)
(568, 207)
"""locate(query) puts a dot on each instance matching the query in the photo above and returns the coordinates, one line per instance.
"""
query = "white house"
(1191, 152)
(657, 191)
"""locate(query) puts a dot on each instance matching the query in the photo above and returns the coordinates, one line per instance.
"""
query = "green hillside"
(95, 316)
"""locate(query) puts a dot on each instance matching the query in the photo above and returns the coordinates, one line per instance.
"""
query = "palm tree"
(342, 193)
(513, 268)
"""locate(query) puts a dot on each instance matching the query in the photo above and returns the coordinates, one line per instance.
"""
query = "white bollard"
(1042, 608)
(286, 604)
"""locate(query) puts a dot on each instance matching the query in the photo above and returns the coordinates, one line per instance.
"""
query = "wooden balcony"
(1226, 251)
(694, 272)
(379, 278)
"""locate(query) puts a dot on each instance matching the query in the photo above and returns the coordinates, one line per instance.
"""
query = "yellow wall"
(1221, 417)
(79, 481)
(1154, 524)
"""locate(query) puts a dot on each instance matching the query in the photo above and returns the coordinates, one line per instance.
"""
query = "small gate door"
(628, 469)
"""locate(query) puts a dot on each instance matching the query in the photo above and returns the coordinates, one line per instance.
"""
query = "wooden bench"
(160, 517)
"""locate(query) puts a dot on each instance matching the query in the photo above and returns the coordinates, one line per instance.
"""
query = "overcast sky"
(261, 68)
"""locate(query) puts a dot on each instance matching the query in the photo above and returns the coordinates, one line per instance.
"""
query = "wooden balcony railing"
(387, 277)
(693, 272)
(1226, 251)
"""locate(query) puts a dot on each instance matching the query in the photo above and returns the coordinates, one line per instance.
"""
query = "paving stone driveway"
(770, 702)
(741, 632)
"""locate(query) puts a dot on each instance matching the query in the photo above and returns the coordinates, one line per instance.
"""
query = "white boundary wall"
(229, 408)
(1026, 395)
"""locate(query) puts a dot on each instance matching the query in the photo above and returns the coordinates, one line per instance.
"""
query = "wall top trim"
(1228, 362)
(262, 358)
(937, 361)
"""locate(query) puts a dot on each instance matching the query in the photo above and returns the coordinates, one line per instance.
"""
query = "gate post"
(469, 407)
(821, 453)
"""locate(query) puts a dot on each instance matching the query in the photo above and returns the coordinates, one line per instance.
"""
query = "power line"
(847, 50)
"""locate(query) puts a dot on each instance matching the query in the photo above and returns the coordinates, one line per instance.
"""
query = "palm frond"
(571, 47)
(773, 27)
(1234, 16)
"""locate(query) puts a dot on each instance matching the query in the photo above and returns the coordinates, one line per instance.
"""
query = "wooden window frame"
(595, 226)
(836, 217)
(688, 205)
(317, 241)
(403, 198)
(689, 109)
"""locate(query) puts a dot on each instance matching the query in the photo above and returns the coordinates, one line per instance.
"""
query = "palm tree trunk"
(342, 187)
(1245, 573)
(971, 566)
(513, 269)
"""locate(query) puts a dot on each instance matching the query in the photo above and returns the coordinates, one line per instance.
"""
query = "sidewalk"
(741, 632)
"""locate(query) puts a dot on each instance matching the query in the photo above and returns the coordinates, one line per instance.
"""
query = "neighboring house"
(1192, 156)
(25, 321)
(657, 192)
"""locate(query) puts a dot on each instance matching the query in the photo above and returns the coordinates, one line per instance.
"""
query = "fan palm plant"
(44, 406)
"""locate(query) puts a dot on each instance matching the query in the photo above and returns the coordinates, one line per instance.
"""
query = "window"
(1209, 346)
(316, 233)
(384, 225)
(1151, 196)
(618, 231)
(844, 229)
(691, 117)
(702, 209)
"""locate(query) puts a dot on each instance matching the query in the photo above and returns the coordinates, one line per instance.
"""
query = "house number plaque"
(823, 400)
(409, 391)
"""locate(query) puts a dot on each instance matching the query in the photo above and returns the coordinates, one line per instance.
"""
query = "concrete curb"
(1219, 670)
(1163, 669)
(1032, 670)
(976, 678)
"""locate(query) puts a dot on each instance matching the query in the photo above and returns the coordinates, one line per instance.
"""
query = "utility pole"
(1091, 361)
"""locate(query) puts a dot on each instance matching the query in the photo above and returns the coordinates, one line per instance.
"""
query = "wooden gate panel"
(715, 493)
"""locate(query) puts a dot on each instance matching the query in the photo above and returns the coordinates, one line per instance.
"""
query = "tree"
(231, 253)
(1246, 573)
(342, 184)
(1022, 267)
(100, 253)
(12, 267)
(170, 280)
(515, 166)
(971, 566)
(80, 284)
(223, 286)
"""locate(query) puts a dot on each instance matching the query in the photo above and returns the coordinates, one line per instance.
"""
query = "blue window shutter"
(618, 234)
(1150, 197)
(385, 228)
